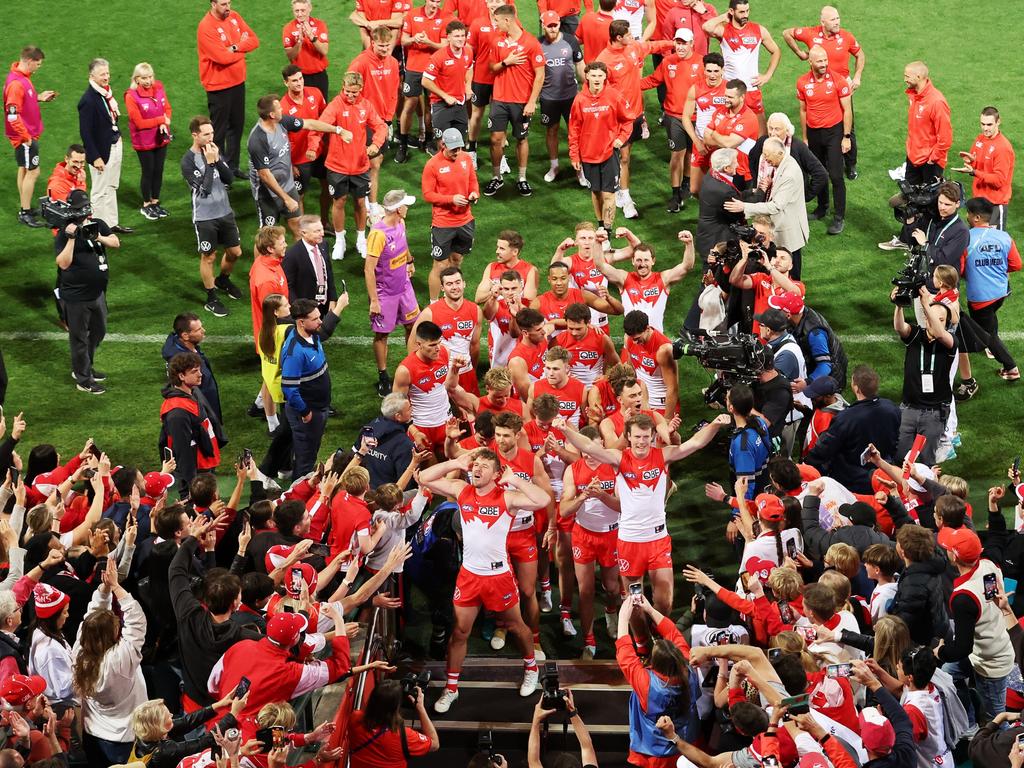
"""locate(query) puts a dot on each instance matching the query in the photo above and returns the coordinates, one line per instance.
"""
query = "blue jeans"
(992, 691)
(103, 752)
(306, 437)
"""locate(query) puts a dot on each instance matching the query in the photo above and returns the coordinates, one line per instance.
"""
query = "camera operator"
(823, 352)
(588, 757)
(945, 238)
(81, 248)
(773, 397)
(927, 376)
(769, 275)
(378, 735)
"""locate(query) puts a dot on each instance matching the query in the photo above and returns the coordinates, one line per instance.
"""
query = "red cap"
(549, 17)
(1019, 490)
(18, 690)
(791, 303)
(283, 629)
(49, 600)
(759, 567)
(876, 732)
(157, 484)
(813, 760)
(962, 542)
(769, 507)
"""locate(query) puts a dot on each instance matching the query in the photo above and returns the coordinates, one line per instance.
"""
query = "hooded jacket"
(209, 388)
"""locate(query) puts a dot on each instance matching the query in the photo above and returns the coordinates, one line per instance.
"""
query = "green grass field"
(154, 275)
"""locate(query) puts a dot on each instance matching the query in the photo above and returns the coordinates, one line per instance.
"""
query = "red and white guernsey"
(648, 294)
(741, 49)
(618, 421)
(457, 327)
(427, 395)
(641, 485)
(533, 356)
(522, 464)
(585, 276)
(512, 405)
(594, 514)
(486, 520)
(553, 463)
(586, 363)
(553, 308)
(644, 359)
(632, 11)
(707, 101)
(570, 398)
(500, 342)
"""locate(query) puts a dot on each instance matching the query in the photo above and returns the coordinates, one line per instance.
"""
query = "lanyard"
(942, 231)
(931, 366)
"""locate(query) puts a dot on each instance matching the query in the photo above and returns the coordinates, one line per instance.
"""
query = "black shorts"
(270, 210)
(482, 94)
(27, 155)
(217, 233)
(603, 177)
(444, 241)
(308, 171)
(678, 139)
(569, 24)
(443, 116)
(638, 128)
(342, 185)
(504, 113)
(553, 111)
(412, 83)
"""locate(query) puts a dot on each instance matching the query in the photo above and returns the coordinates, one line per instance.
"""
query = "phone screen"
(839, 670)
(168, 453)
(296, 577)
(991, 588)
(242, 688)
(791, 549)
(636, 589)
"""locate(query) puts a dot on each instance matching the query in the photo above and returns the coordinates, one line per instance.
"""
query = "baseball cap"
(924, 471)
(859, 513)
(820, 387)
(962, 542)
(452, 138)
(395, 199)
(876, 732)
(772, 318)
(758, 566)
(17, 690)
(276, 556)
(157, 483)
(813, 760)
(78, 199)
(49, 601)
(550, 17)
(308, 578)
(791, 303)
(283, 629)
(769, 507)
(683, 34)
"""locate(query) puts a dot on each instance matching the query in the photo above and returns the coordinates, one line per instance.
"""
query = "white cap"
(395, 199)
(683, 33)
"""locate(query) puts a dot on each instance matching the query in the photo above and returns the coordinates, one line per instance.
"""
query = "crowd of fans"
(869, 619)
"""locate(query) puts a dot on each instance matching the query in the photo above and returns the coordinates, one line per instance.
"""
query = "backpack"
(434, 528)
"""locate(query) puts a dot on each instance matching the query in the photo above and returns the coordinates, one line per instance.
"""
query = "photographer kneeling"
(378, 734)
(81, 246)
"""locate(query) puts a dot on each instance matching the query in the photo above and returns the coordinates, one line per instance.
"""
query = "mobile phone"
(296, 579)
(791, 549)
(1019, 741)
(242, 688)
(338, 462)
(809, 635)
(320, 550)
(344, 286)
(990, 586)
(101, 566)
(785, 612)
(215, 751)
(168, 453)
(774, 654)
(839, 670)
(245, 459)
(797, 705)
(15, 475)
(769, 593)
(1015, 468)
(636, 588)
(270, 738)
(95, 451)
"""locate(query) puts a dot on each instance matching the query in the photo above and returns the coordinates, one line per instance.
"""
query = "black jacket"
(920, 598)
(202, 641)
(298, 271)
(97, 131)
(815, 175)
(713, 220)
(169, 751)
(837, 452)
(183, 431)
(389, 459)
(947, 240)
(12, 646)
(209, 388)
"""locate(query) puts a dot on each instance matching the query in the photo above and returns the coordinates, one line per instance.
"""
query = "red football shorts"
(469, 382)
(495, 593)
(754, 101)
(590, 546)
(700, 160)
(434, 437)
(638, 557)
(522, 546)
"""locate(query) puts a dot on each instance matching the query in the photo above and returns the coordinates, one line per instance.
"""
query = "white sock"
(259, 400)
(554, 164)
(273, 422)
(522, 174)
(625, 194)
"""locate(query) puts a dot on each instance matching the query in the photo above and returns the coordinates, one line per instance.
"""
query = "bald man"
(840, 45)
(929, 129)
(826, 122)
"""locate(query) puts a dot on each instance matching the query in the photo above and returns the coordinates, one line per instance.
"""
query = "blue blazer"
(98, 133)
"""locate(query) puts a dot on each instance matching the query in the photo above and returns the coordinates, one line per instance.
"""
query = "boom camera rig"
(736, 358)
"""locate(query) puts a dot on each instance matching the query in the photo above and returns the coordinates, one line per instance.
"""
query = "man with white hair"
(713, 220)
(391, 449)
(98, 114)
(840, 45)
(784, 200)
(826, 121)
(781, 127)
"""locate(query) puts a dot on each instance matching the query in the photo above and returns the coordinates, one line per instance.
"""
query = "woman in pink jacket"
(149, 122)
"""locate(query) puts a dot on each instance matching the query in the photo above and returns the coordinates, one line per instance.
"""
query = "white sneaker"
(629, 209)
(530, 678)
(444, 703)
(473, 157)
(589, 651)
(582, 180)
(620, 198)
(361, 244)
(894, 245)
(567, 628)
(551, 174)
(545, 601)
(339, 246)
(504, 167)
(498, 640)
(611, 623)
(538, 653)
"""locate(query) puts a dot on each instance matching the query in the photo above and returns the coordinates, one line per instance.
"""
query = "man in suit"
(784, 200)
(307, 266)
(98, 113)
(713, 220)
